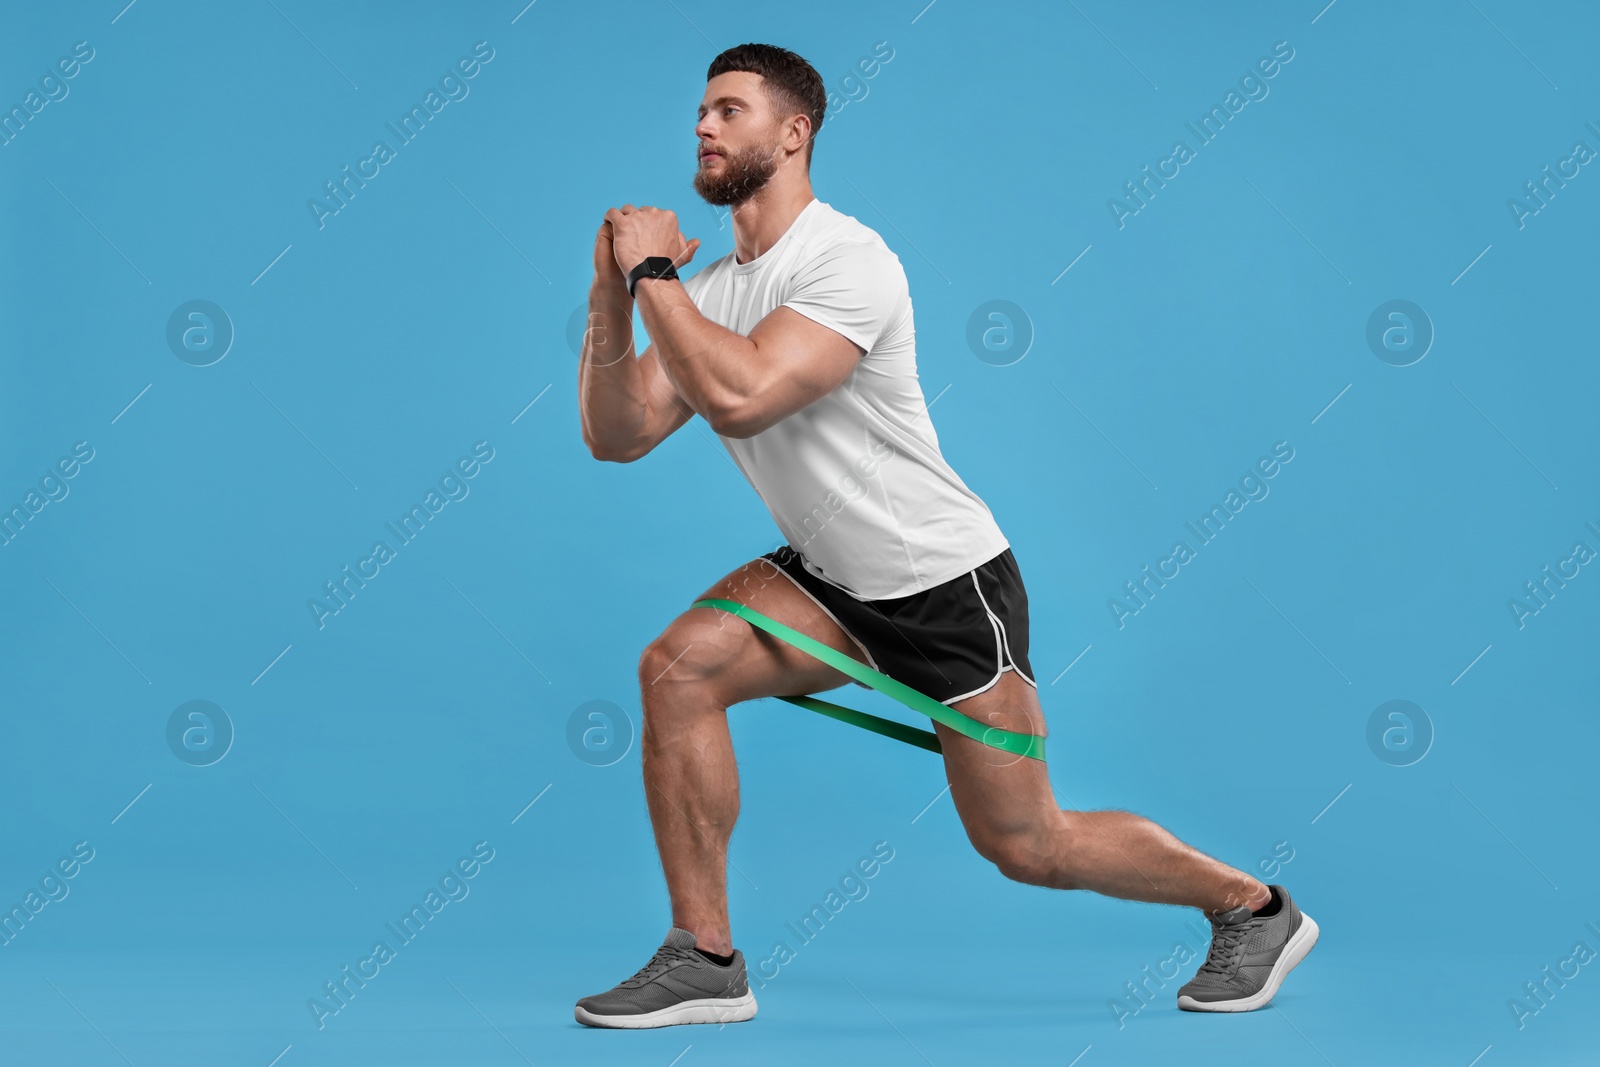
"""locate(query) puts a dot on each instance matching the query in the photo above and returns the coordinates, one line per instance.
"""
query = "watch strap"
(652, 267)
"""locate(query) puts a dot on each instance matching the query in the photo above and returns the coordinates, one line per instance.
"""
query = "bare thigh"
(705, 645)
(997, 793)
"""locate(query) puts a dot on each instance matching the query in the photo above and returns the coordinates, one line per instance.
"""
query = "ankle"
(712, 939)
(1270, 906)
(1254, 897)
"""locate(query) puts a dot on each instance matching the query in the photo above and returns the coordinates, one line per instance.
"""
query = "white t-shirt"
(855, 480)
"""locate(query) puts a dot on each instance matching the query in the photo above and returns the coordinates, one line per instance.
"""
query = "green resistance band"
(1020, 744)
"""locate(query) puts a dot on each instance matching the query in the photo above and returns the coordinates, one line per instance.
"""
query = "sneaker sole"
(708, 1010)
(1293, 952)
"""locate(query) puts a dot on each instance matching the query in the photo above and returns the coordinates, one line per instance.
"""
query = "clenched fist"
(637, 233)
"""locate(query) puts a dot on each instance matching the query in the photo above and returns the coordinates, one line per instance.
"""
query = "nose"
(704, 129)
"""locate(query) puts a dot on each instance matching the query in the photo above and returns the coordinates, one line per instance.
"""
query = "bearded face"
(730, 176)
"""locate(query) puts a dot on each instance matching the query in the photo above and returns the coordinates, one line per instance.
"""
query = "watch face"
(652, 267)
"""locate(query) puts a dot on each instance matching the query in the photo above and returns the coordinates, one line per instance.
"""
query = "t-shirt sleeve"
(854, 288)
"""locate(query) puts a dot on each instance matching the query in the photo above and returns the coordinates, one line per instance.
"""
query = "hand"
(637, 233)
(605, 257)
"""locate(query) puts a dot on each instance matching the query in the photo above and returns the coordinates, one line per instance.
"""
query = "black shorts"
(951, 642)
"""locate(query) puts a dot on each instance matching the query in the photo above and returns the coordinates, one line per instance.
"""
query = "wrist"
(652, 296)
(651, 268)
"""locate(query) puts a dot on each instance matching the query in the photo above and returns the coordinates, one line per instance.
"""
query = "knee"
(1035, 854)
(687, 653)
(1018, 857)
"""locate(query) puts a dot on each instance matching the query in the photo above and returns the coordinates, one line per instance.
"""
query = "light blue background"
(1222, 318)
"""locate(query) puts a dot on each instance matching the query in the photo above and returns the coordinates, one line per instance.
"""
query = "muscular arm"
(626, 403)
(742, 385)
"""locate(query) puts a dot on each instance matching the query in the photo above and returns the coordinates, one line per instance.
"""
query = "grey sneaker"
(1249, 957)
(678, 985)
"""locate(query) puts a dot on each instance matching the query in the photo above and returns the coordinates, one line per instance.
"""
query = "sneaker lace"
(1227, 946)
(659, 964)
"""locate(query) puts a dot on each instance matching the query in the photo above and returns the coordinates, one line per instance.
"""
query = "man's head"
(761, 112)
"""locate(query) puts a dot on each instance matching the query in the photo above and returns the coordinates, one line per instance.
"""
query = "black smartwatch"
(652, 267)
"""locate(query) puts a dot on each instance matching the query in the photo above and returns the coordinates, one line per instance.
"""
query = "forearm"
(611, 391)
(716, 370)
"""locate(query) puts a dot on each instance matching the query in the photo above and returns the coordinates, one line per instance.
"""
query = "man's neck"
(765, 217)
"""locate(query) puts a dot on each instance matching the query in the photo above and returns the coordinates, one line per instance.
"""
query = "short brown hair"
(791, 83)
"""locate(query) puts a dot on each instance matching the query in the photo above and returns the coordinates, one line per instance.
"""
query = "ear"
(800, 126)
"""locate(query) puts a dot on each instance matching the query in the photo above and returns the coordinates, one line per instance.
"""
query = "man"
(799, 350)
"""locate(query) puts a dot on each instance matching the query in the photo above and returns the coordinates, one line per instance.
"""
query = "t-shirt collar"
(765, 257)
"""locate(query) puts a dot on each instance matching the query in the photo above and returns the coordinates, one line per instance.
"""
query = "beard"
(743, 175)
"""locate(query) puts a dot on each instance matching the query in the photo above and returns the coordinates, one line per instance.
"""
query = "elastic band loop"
(1020, 744)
